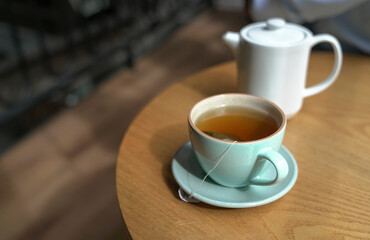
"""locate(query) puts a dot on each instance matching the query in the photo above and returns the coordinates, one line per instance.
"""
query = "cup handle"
(280, 164)
(337, 64)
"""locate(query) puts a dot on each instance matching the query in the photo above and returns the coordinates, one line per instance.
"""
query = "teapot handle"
(337, 64)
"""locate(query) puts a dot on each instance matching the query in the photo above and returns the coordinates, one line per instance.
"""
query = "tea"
(236, 124)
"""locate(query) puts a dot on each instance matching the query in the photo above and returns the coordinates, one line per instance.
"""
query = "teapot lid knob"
(275, 23)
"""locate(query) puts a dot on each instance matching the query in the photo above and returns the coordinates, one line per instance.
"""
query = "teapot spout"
(232, 40)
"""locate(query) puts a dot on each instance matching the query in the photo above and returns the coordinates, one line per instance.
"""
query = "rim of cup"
(280, 120)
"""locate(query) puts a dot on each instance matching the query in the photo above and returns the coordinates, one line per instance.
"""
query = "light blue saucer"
(188, 174)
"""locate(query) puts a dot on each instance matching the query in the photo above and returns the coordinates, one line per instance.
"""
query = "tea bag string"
(214, 167)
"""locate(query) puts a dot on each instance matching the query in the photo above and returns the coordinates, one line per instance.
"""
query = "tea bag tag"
(186, 197)
(189, 197)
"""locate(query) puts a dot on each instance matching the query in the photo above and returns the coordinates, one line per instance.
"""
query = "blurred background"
(54, 53)
(73, 75)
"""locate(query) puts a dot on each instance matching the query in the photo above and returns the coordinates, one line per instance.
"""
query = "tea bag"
(224, 136)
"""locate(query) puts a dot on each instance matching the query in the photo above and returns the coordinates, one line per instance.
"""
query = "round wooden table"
(329, 138)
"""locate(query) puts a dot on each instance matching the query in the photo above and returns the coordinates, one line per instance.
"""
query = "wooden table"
(329, 138)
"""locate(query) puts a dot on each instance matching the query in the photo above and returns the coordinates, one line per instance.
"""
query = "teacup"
(234, 157)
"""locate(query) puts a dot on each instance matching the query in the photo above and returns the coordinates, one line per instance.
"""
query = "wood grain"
(330, 139)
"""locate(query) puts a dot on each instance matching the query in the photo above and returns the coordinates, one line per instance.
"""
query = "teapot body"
(274, 73)
(272, 61)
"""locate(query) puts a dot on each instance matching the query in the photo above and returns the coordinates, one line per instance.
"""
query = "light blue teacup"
(243, 163)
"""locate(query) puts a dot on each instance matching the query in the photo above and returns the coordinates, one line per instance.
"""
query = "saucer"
(189, 175)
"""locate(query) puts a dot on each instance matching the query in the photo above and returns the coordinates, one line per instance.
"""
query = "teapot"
(272, 61)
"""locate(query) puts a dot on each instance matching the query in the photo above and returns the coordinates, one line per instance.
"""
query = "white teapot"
(272, 61)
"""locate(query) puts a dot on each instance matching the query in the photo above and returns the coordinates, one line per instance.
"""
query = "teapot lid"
(275, 32)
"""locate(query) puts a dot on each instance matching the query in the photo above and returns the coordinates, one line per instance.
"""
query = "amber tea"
(236, 124)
